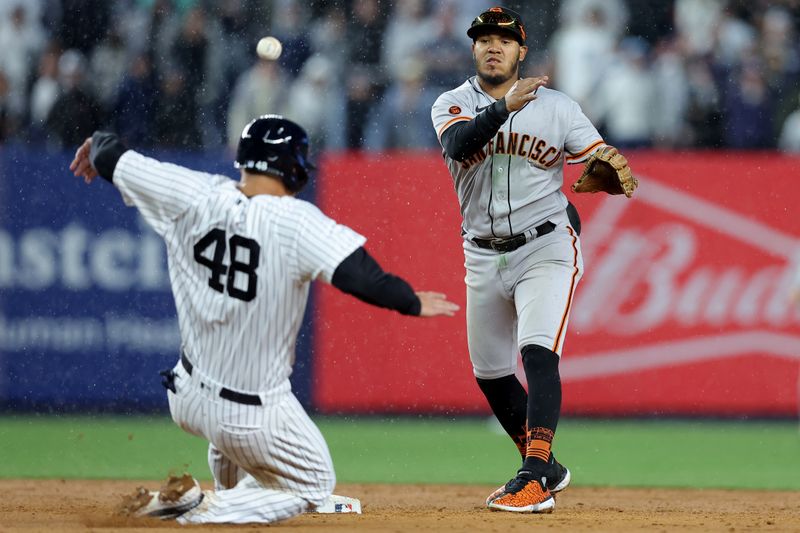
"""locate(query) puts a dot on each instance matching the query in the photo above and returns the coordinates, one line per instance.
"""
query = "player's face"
(497, 57)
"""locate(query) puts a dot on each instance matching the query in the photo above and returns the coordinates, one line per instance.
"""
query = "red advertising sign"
(683, 308)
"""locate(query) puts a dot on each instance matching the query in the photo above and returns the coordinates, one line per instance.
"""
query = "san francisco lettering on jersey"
(517, 144)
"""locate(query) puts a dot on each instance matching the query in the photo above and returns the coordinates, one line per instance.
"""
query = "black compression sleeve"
(463, 139)
(361, 276)
(105, 152)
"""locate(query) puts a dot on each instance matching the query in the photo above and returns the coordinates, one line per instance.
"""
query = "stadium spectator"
(152, 30)
(780, 52)
(696, 22)
(735, 38)
(44, 93)
(328, 36)
(75, 113)
(82, 23)
(21, 42)
(289, 26)
(316, 101)
(260, 90)
(238, 44)
(403, 120)
(748, 110)
(33, 8)
(134, 108)
(613, 13)
(176, 115)
(366, 77)
(198, 52)
(451, 63)
(704, 111)
(671, 98)
(582, 51)
(190, 51)
(108, 63)
(409, 31)
(624, 99)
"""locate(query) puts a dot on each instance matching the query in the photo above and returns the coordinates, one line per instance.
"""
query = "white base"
(339, 504)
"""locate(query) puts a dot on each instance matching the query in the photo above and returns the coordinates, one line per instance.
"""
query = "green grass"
(764, 455)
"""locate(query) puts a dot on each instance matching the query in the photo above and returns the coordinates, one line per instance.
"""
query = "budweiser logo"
(695, 281)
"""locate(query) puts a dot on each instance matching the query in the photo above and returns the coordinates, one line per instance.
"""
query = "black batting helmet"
(276, 146)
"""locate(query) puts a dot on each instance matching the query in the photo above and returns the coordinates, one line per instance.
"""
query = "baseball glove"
(607, 170)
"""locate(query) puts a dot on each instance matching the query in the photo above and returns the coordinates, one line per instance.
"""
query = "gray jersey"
(239, 267)
(514, 183)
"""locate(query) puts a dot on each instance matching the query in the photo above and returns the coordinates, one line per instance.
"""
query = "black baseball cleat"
(558, 476)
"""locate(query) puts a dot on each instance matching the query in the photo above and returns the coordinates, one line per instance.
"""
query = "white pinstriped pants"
(269, 462)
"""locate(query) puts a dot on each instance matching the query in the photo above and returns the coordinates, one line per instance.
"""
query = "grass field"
(723, 454)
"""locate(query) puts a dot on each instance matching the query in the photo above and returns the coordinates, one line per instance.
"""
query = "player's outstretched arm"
(360, 275)
(435, 304)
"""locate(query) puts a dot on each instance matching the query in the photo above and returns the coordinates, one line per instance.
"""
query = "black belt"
(509, 244)
(232, 395)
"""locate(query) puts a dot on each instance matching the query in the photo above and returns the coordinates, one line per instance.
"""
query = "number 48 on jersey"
(219, 270)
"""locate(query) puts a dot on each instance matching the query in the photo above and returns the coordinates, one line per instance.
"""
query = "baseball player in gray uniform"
(241, 259)
(505, 141)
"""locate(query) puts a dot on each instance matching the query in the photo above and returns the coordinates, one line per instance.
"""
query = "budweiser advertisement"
(683, 309)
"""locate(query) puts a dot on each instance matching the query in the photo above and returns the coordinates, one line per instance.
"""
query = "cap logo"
(282, 140)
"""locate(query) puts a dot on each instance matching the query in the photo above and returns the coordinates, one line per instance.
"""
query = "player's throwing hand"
(523, 91)
(435, 304)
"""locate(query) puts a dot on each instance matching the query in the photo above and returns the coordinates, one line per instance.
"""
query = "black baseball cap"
(498, 18)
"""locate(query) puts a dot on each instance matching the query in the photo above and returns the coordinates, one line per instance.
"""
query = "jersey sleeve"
(582, 137)
(322, 244)
(160, 191)
(447, 110)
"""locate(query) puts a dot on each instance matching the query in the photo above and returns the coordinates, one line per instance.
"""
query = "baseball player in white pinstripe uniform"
(505, 141)
(241, 258)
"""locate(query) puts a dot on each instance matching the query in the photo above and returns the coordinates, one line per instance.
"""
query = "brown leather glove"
(607, 170)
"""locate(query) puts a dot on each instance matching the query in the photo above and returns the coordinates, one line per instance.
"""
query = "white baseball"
(269, 48)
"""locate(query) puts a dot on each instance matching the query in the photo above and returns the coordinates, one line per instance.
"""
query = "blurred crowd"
(362, 74)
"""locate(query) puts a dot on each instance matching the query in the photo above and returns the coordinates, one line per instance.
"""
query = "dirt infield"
(59, 505)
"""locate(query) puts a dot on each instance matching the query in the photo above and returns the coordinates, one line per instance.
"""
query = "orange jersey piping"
(564, 317)
(450, 123)
(585, 151)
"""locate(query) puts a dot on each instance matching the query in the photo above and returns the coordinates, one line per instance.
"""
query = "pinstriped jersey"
(239, 267)
(514, 183)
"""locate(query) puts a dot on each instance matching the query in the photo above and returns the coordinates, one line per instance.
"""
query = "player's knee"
(539, 361)
(496, 386)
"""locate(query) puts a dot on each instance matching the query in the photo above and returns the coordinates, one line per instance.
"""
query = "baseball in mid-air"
(269, 48)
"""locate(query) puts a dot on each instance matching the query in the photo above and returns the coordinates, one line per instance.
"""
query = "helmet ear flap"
(297, 179)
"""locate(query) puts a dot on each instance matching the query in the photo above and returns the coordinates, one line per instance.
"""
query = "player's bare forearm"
(435, 304)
